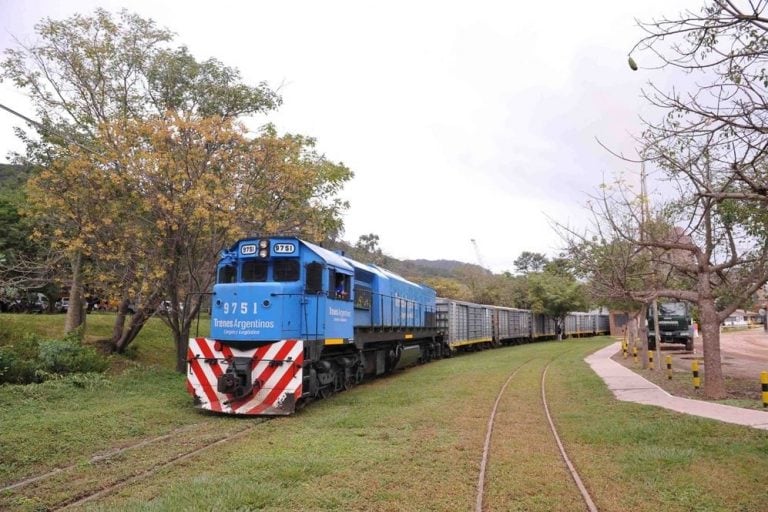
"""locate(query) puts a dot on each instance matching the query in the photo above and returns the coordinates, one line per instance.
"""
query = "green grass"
(153, 346)
(654, 458)
(413, 442)
(408, 442)
(50, 424)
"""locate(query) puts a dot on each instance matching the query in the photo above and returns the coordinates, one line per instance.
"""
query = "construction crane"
(477, 252)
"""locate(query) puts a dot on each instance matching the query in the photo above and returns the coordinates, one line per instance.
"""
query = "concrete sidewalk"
(628, 386)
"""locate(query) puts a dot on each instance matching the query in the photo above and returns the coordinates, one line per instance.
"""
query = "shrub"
(15, 369)
(35, 360)
(69, 356)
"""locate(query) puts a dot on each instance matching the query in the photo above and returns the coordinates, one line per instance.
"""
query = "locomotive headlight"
(263, 248)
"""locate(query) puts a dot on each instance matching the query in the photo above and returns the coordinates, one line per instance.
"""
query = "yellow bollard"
(624, 348)
(650, 359)
(764, 385)
(669, 367)
(634, 353)
(696, 378)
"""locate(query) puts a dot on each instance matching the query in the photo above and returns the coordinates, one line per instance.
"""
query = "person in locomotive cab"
(340, 286)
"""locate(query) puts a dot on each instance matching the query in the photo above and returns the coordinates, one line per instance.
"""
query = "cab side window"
(339, 285)
(314, 278)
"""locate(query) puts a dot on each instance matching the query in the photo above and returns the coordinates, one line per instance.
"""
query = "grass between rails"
(409, 442)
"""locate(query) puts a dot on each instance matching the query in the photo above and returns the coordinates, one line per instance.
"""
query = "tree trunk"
(75, 310)
(181, 325)
(642, 326)
(714, 383)
(134, 328)
(182, 343)
(119, 326)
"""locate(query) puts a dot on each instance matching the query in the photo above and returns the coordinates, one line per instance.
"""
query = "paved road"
(744, 353)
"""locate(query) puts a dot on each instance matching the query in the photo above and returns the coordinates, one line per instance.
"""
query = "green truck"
(675, 324)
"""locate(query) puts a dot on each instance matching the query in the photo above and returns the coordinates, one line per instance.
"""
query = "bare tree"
(721, 113)
(695, 247)
(709, 244)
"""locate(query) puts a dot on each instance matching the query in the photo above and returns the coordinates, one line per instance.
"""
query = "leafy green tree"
(18, 251)
(367, 247)
(710, 142)
(447, 287)
(529, 262)
(556, 295)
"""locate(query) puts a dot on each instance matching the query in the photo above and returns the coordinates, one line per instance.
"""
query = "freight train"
(292, 321)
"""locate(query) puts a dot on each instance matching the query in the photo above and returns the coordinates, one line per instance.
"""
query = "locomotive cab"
(279, 305)
(281, 288)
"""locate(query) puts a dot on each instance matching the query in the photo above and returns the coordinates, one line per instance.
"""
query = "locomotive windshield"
(227, 274)
(286, 270)
(254, 271)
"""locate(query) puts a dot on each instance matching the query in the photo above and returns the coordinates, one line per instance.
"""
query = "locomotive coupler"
(237, 379)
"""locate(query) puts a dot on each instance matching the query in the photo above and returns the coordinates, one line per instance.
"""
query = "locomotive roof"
(392, 275)
(362, 266)
(329, 257)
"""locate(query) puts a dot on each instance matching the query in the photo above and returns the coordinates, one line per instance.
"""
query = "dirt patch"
(744, 354)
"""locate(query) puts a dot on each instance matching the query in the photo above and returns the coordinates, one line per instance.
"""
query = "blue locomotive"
(292, 321)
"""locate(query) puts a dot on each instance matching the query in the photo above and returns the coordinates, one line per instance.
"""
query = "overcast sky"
(461, 120)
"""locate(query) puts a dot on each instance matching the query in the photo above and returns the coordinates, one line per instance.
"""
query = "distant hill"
(440, 268)
(418, 269)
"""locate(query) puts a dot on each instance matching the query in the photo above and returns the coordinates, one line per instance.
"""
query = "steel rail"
(487, 445)
(96, 458)
(574, 474)
(151, 471)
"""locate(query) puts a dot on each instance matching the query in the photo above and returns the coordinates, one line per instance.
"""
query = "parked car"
(31, 303)
(62, 305)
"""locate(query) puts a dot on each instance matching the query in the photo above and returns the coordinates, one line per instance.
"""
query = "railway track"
(105, 473)
(502, 455)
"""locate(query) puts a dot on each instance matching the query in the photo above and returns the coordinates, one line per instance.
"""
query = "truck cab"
(675, 324)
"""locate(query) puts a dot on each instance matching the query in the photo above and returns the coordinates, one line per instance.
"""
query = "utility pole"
(644, 216)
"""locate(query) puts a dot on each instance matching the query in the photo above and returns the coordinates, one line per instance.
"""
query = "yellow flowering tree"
(153, 211)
